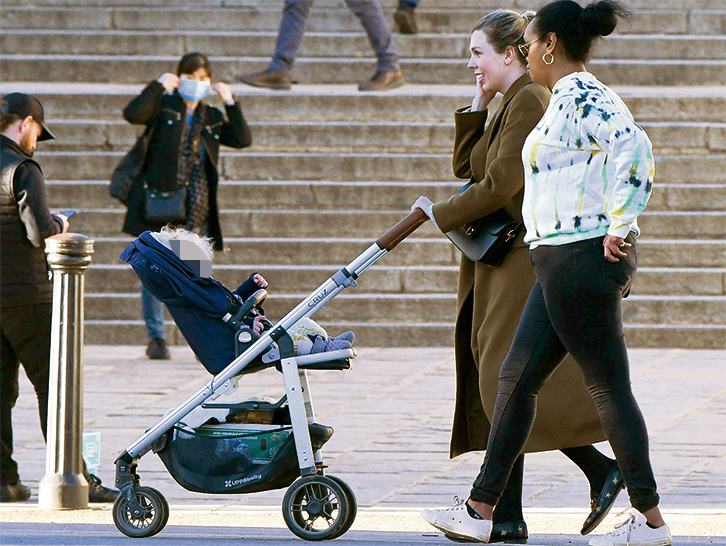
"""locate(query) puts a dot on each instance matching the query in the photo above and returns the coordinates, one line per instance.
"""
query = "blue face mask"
(193, 90)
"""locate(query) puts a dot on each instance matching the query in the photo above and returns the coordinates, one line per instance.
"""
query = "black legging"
(593, 464)
(573, 307)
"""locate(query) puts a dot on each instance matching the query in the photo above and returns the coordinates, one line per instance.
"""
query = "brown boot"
(405, 19)
(383, 81)
(271, 79)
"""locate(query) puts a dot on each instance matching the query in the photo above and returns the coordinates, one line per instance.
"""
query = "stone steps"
(307, 223)
(432, 103)
(321, 19)
(174, 43)
(117, 278)
(683, 5)
(332, 168)
(341, 166)
(135, 69)
(358, 195)
(333, 135)
(366, 307)
(428, 334)
(343, 248)
(388, 5)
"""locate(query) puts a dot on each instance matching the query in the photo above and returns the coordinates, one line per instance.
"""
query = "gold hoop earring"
(544, 60)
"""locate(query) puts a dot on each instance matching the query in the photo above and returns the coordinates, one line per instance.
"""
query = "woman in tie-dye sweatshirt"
(588, 174)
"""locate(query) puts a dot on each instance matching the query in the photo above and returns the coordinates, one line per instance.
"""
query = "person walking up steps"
(292, 31)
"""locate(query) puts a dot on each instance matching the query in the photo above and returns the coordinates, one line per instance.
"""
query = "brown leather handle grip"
(402, 229)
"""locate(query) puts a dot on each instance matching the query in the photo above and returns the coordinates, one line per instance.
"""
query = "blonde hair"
(181, 234)
(505, 28)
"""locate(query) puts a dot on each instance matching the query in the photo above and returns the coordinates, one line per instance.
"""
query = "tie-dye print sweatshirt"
(588, 167)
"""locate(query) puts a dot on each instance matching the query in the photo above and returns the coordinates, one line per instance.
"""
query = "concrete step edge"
(330, 91)
(448, 61)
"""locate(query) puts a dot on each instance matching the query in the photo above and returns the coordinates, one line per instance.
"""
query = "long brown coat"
(490, 300)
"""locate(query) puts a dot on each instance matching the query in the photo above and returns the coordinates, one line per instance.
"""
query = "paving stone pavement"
(392, 415)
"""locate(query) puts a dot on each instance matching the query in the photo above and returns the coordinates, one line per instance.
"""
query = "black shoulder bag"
(129, 169)
(487, 240)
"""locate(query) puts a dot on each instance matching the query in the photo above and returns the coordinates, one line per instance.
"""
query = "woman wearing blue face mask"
(183, 153)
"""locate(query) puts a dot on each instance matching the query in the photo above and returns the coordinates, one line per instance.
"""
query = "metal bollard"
(63, 485)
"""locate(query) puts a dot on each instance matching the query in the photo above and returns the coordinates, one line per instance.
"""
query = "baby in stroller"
(182, 279)
(196, 251)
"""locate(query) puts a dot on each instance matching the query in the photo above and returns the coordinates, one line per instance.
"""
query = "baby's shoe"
(323, 345)
(635, 532)
(345, 336)
(459, 521)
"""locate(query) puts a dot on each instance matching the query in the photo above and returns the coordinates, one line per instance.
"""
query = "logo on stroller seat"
(318, 298)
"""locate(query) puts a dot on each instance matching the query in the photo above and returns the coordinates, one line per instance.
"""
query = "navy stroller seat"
(198, 305)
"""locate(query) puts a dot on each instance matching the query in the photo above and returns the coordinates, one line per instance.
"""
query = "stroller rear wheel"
(150, 520)
(316, 508)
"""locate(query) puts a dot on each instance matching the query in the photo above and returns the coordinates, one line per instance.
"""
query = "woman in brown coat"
(490, 300)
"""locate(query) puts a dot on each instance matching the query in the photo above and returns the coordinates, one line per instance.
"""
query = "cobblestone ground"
(392, 415)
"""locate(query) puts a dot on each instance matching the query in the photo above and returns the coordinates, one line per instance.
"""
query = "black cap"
(27, 105)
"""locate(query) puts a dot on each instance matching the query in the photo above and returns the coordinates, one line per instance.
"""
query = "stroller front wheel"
(316, 508)
(150, 520)
(352, 506)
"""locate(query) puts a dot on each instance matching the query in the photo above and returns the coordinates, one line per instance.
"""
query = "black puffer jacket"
(25, 222)
(166, 111)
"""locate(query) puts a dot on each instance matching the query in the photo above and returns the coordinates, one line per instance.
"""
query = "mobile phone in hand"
(68, 213)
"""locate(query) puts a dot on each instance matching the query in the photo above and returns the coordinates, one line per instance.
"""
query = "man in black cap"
(25, 288)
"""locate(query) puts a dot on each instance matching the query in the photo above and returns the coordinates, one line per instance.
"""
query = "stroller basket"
(234, 458)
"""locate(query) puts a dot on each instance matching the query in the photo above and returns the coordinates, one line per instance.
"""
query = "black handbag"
(487, 240)
(164, 206)
(129, 169)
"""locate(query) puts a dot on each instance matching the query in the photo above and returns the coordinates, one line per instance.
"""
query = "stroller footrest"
(332, 360)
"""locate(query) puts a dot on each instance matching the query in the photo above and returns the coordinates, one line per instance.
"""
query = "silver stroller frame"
(145, 509)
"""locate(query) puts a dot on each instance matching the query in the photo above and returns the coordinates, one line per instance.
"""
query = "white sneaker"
(457, 522)
(634, 532)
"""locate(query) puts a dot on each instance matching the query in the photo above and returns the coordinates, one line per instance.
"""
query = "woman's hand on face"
(482, 97)
(615, 248)
(224, 91)
(169, 81)
(260, 280)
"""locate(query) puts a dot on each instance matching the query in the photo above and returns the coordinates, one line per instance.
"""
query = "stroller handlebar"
(255, 299)
(402, 229)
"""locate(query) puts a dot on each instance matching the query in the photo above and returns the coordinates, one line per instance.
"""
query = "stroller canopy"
(197, 304)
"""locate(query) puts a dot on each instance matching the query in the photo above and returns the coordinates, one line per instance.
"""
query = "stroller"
(252, 445)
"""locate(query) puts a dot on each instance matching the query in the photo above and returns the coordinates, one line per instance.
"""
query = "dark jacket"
(166, 112)
(25, 222)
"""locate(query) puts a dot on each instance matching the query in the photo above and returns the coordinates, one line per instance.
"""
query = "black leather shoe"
(99, 493)
(383, 81)
(514, 532)
(271, 79)
(157, 350)
(601, 504)
(16, 492)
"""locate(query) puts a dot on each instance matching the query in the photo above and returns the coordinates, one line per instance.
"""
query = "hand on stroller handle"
(405, 227)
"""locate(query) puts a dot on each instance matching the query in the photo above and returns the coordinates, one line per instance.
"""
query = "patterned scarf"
(191, 171)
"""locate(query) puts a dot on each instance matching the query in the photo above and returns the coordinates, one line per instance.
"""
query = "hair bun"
(599, 18)
(528, 15)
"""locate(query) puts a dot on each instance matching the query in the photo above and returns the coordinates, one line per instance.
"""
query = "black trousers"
(24, 338)
(575, 307)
